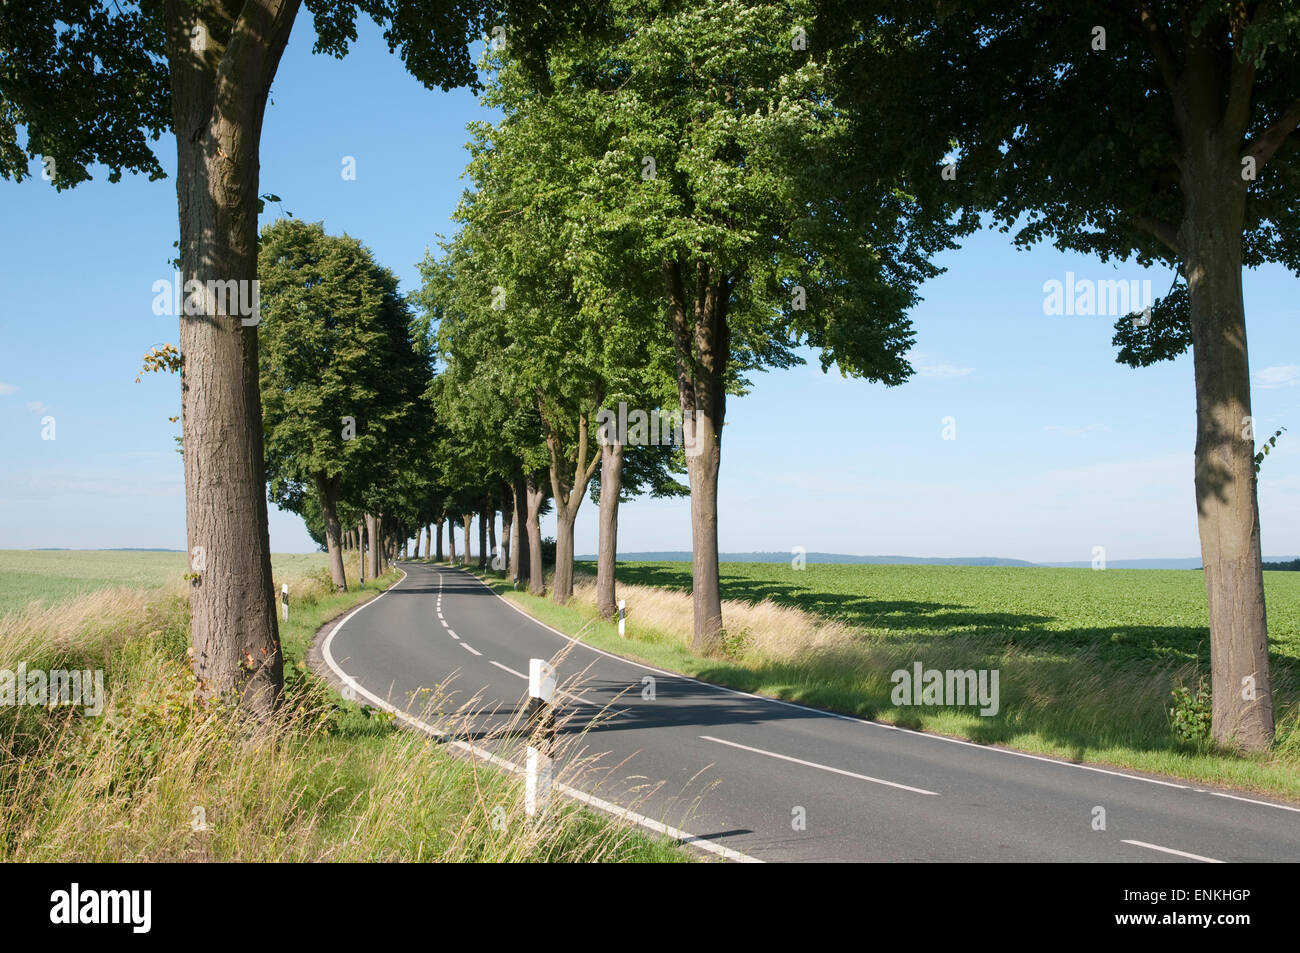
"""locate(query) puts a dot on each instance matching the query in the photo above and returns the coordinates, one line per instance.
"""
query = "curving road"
(752, 778)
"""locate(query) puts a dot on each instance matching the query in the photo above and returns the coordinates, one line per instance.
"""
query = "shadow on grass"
(1080, 688)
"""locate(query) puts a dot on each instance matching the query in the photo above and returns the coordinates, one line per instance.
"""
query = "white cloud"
(7, 388)
(1283, 375)
(36, 407)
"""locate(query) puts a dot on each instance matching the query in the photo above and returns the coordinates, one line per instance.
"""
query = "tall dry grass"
(160, 776)
(796, 654)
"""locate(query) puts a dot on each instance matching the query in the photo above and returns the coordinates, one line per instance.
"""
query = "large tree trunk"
(376, 543)
(702, 346)
(415, 552)
(562, 584)
(569, 479)
(611, 486)
(326, 491)
(1226, 500)
(486, 534)
(361, 553)
(218, 103)
(451, 538)
(439, 551)
(428, 541)
(535, 496)
(467, 520)
(519, 549)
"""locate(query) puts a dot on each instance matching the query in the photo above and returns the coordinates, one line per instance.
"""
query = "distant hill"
(779, 557)
(682, 556)
(1292, 565)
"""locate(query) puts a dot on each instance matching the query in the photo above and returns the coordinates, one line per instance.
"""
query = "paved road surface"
(740, 771)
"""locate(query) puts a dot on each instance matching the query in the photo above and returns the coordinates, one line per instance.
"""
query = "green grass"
(1087, 659)
(50, 576)
(1122, 615)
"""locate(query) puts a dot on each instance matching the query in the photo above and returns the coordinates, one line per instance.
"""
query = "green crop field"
(1088, 660)
(1122, 614)
(49, 576)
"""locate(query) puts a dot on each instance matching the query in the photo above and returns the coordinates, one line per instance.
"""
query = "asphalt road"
(755, 778)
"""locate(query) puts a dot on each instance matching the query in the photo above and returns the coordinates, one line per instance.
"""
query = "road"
(752, 778)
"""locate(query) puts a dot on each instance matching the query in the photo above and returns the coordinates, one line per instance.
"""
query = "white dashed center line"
(1170, 850)
(821, 767)
(507, 668)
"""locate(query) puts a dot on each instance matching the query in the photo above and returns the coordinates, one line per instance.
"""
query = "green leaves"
(1266, 447)
(342, 383)
(1167, 335)
(88, 84)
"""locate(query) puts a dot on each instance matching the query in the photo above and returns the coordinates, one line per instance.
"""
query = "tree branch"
(1160, 229)
(1163, 53)
(1263, 146)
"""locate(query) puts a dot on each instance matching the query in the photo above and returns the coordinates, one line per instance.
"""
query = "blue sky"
(1058, 449)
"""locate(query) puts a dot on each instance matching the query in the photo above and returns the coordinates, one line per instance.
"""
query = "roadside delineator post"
(622, 618)
(541, 735)
(284, 599)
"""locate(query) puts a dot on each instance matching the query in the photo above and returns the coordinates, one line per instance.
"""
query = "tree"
(714, 182)
(1158, 131)
(95, 82)
(341, 384)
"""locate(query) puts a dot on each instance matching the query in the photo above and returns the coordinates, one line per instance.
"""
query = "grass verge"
(159, 776)
(1071, 694)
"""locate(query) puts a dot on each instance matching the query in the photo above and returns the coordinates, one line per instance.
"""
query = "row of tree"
(683, 192)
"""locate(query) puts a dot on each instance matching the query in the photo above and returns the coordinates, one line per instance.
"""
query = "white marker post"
(541, 723)
(622, 618)
(284, 599)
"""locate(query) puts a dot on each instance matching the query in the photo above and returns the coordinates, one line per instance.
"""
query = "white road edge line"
(581, 797)
(821, 767)
(1170, 850)
(1251, 800)
(863, 721)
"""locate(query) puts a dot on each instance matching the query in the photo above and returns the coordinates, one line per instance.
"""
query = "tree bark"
(702, 347)
(439, 551)
(562, 583)
(569, 481)
(372, 533)
(219, 98)
(361, 553)
(486, 534)
(611, 486)
(467, 520)
(327, 491)
(428, 541)
(451, 538)
(534, 497)
(1226, 488)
